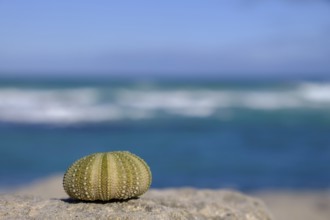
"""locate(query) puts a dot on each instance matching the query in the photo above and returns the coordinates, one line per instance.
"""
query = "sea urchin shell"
(106, 176)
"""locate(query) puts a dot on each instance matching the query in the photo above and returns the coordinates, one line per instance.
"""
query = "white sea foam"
(84, 105)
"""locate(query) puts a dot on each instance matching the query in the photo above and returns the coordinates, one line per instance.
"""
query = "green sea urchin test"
(106, 176)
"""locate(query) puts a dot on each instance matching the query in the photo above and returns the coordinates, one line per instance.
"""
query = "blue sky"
(229, 37)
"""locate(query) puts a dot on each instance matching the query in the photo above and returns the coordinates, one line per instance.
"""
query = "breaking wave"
(100, 104)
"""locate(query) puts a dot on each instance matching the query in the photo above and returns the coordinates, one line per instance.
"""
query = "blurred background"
(211, 94)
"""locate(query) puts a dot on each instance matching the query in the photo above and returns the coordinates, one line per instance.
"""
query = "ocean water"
(240, 135)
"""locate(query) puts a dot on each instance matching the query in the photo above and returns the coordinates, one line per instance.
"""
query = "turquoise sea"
(205, 134)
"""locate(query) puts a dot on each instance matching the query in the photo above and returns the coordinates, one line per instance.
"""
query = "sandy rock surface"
(155, 204)
(46, 199)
